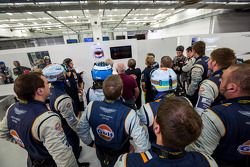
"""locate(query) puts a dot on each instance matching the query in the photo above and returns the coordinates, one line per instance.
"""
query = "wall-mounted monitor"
(105, 38)
(119, 37)
(88, 39)
(121, 52)
(69, 41)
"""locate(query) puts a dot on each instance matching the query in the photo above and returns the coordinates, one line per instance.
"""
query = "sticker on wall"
(98, 51)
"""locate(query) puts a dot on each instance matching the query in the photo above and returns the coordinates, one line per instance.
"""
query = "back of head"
(247, 61)
(179, 124)
(110, 62)
(164, 80)
(54, 73)
(224, 57)
(2, 63)
(199, 48)
(100, 71)
(240, 75)
(16, 63)
(180, 48)
(166, 61)
(131, 63)
(25, 86)
(151, 54)
(120, 68)
(112, 87)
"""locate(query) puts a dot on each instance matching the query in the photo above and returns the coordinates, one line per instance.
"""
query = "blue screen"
(105, 38)
(88, 40)
(72, 41)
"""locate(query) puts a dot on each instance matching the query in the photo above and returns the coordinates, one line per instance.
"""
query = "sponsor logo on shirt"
(16, 137)
(19, 112)
(244, 148)
(105, 132)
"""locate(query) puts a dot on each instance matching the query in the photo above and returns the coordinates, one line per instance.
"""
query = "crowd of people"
(196, 112)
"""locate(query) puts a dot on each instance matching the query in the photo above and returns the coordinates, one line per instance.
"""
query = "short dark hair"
(112, 87)
(224, 57)
(166, 61)
(131, 63)
(67, 61)
(179, 124)
(26, 85)
(247, 61)
(189, 49)
(199, 47)
(180, 48)
(240, 75)
(149, 60)
(151, 54)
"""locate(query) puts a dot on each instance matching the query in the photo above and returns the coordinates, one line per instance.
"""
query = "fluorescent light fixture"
(35, 23)
(21, 24)
(49, 12)
(29, 12)
(66, 11)
(146, 9)
(145, 17)
(9, 14)
(49, 22)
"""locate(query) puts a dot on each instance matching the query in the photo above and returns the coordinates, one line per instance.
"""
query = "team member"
(136, 74)
(179, 62)
(175, 126)
(198, 71)
(113, 124)
(130, 87)
(155, 64)
(31, 125)
(61, 103)
(209, 95)
(72, 86)
(164, 82)
(145, 81)
(226, 126)
(100, 72)
(188, 65)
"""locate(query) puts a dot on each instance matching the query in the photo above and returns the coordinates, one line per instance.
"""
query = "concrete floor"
(11, 155)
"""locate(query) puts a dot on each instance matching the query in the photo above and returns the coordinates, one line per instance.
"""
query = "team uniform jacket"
(94, 95)
(226, 127)
(39, 131)
(209, 94)
(111, 123)
(165, 157)
(198, 74)
(61, 103)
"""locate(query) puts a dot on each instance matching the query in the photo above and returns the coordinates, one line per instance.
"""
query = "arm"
(47, 129)
(146, 115)
(136, 90)
(65, 107)
(83, 127)
(189, 65)
(207, 93)
(213, 130)
(4, 130)
(137, 132)
(121, 161)
(196, 77)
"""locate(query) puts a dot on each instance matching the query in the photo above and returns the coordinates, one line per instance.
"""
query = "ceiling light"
(145, 17)
(9, 14)
(21, 24)
(115, 10)
(29, 12)
(147, 9)
(76, 21)
(49, 12)
(66, 11)
(35, 23)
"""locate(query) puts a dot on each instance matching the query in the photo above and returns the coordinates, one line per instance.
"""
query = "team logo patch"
(105, 132)
(244, 148)
(16, 137)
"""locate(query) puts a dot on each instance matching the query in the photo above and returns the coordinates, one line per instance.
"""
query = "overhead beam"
(40, 7)
(60, 22)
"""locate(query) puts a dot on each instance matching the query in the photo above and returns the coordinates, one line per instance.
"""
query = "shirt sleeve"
(137, 131)
(146, 115)
(213, 130)
(121, 161)
(47, 128)
(83, 127)
(196, 78)
(65, 106)
(208, 91)
(188, 66)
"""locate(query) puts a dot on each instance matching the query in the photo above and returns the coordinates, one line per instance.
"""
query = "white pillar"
(95, 21)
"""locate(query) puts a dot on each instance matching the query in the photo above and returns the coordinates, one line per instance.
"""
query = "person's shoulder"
(138, 159)
(201, 159)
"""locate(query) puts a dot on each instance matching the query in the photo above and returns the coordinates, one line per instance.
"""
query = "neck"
(216, 68)
(159, 140)
(235, 95)
(39, 98)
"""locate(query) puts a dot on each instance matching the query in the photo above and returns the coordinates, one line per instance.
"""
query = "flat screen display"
(121, 52)
(71, 41)
(88, 40)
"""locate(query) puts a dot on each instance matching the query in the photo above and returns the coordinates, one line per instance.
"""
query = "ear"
(40, 91)
(232, 88)
(156, 128)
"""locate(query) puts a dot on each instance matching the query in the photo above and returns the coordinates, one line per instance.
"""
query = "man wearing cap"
(164, 82)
